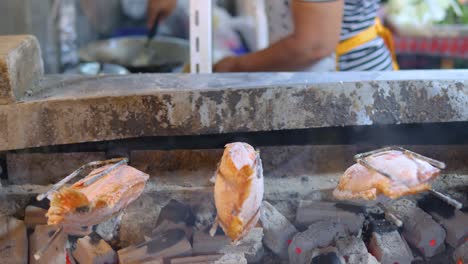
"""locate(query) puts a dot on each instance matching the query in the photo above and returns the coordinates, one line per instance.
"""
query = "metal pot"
(96, 68)
(163, 54)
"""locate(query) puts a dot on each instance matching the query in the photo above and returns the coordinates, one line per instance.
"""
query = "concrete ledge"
(21, 66)
(76, 109)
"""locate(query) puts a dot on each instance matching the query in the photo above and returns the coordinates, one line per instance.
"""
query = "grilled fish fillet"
(410, 176)
(238, 190)
(81, 205)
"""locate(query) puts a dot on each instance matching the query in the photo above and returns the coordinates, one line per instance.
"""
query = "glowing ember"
(460, 261)
(432, 243)
(298, 250)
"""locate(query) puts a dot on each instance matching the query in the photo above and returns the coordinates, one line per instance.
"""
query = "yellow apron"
(377, 30)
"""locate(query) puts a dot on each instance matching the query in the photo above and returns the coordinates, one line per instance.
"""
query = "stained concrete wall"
(70, 109)
(195, 167)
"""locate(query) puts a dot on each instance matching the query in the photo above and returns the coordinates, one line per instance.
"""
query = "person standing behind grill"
(312, 35)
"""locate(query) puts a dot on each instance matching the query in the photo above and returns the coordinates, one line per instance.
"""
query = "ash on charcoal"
(93, 251)
(278, 231)
(453, 221)
(170, 243)
(13, 241)
(203, 243)
(374, 212)
(377, 224)
(319, 234)
(251, 245)
(196, 259)
(288, 208)
(461, 253)
(109, 229)
(390, 248)
(354, 251)
(327, 258)
(382, 226)
(350, 245)
(271, 258)
(309, 212)
(327, 255)
(362, 259)
(419, 229)
(211, 259)
(232, 259)
(138, 220)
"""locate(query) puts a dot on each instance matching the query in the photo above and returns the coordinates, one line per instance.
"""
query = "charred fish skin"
(105, 192)
(391, 173)
(238, 190)
(87, 205)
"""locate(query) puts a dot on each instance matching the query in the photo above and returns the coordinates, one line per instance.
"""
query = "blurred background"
(428, 34)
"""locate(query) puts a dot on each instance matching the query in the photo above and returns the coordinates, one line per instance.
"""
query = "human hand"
(155, 7)
(228, 64)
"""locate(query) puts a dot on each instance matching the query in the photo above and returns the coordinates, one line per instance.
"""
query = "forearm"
(288, 54)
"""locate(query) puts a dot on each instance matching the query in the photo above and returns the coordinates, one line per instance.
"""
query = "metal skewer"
(447, 199)
(42, 250)
(55, 187)
(96, 177)
(411, 154)
(390, 216)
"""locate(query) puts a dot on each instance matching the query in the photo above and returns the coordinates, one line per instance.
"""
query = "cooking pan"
(163, 54)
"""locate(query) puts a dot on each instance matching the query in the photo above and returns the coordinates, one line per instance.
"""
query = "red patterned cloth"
(67, 258)
(444, 47)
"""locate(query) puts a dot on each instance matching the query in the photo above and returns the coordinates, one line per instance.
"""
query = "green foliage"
(452, 17)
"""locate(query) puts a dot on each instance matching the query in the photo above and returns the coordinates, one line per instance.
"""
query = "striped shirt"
(358, 15)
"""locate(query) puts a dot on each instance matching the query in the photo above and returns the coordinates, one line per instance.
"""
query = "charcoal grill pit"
(286, 184)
